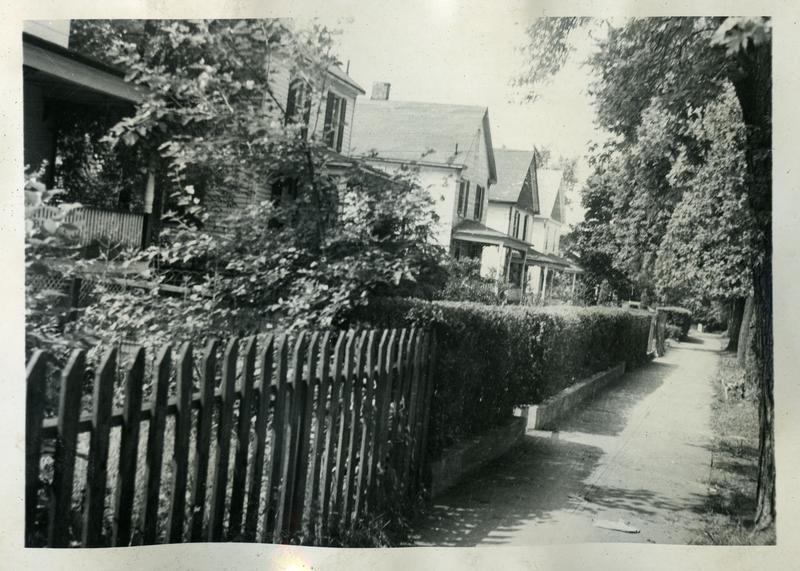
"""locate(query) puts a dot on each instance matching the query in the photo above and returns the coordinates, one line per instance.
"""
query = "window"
(515, 228)
(463, 198)
(298, 105)
(335, 112)
(525, 228)
(478, 202)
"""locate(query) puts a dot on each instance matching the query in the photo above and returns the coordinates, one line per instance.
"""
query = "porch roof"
(474, 231)
(551, 260)
(73, 76)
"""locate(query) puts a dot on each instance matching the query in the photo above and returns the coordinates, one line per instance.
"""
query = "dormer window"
(335, 113)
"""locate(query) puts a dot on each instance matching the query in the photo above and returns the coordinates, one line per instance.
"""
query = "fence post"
(36, 383)
(262, 412)
(224, 433)
(180, 450)
(155, 445)
(329, 456)
(243, 441)
(203, 443)
(97, 471)
(129, 447)
(69, 409)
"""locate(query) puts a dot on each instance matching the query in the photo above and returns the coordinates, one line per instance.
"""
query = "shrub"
(679, 317)
(493, 358)
(674, 332)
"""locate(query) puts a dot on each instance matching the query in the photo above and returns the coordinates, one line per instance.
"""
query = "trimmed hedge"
(493, 358)
(679, 317)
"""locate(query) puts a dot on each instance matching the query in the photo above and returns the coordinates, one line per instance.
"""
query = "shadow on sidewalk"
(526, 485)
(608, 413)
(546, 478)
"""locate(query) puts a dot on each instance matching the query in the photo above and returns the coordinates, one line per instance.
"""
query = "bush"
(679, 317)
(674, 332)
(493, 358)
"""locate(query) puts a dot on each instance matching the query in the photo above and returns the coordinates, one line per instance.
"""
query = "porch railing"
(94, 224)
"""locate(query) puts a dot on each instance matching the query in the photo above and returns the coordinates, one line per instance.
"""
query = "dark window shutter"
(291, 101)
(460, 197)
(328, 130)
(478, 202)
(340, 134)
(466, 201)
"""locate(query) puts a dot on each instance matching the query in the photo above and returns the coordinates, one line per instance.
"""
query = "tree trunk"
(735, 323)
(744, 333)
(752, 80)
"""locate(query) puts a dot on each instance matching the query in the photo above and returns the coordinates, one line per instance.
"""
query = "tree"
(684, 62)
(268, 227)
(699, 262)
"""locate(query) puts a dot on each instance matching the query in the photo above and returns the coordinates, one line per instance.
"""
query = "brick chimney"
(380, 91)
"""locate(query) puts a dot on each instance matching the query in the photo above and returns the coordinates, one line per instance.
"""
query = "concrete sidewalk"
(640, 455)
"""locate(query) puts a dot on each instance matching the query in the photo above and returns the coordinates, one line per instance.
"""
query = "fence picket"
(335, 426)
(243, 441)
(69, 408)
(224, 433)
(97, 470)
(327, 461)
(128, 452)
(311, 505)
(155, 446)
(205, 417)
(262, 413)
(396, 431)
(413, 397)
(368, 426)
(180, 450)
(277, 440)
(388, 356)
(339, 485)
(357, 375)
(306, 410)
(36, 387)
(289, 467)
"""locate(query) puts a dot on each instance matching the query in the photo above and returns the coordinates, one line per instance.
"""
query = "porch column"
(523, 274)
(544, 282)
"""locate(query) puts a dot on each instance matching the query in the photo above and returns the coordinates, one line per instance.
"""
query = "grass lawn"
(732, 484)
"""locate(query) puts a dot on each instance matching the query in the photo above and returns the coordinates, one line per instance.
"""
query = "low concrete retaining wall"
(468, 456)
(544, 416)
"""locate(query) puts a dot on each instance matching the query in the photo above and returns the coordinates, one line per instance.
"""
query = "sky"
(445, 51)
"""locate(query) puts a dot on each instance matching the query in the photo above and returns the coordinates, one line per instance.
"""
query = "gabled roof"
(433, 133)
(515, 179)
(549, 187)
(342, 76)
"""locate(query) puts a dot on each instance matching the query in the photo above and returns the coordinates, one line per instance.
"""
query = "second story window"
(335, 113)
(463, 198)
(298, 105)
(525, 229)
(515, 227)
(478, 202)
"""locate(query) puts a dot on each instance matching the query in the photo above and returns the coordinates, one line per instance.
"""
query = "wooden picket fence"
(296, 440)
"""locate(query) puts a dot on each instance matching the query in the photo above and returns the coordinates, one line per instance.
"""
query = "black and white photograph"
(431, 277)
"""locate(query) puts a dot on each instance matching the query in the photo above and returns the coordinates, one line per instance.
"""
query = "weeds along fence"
(272, 439)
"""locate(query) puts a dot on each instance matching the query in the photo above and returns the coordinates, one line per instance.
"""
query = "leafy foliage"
(264, 226)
